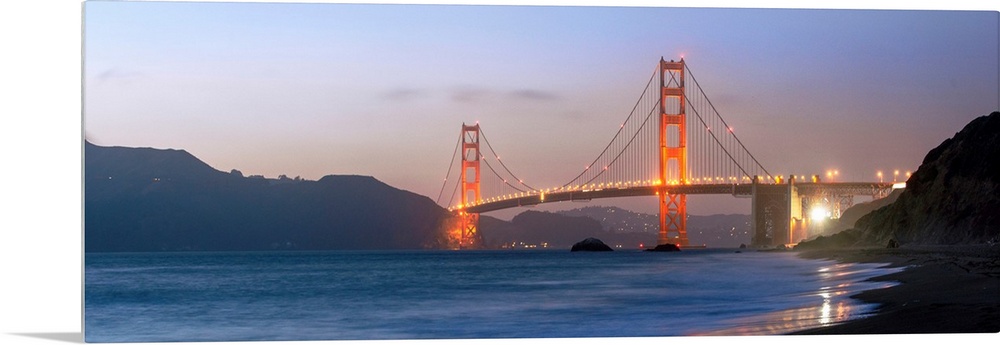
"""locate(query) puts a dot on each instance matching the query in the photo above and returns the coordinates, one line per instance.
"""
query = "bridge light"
(818, 213)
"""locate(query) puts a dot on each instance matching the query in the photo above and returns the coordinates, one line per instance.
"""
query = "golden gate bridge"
(673, 143)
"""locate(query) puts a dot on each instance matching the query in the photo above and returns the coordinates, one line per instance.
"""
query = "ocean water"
(347, 295)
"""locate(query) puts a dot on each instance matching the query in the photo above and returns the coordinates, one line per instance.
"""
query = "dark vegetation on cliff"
(952, 198)
(143, 199)
(853, 213)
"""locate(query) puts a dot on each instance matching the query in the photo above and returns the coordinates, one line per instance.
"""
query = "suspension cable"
(717, 140)
(483, 134)
(648, 116)
(450, 165)
(482, 159)
(453, 192)
(620, 129)
(724, 122)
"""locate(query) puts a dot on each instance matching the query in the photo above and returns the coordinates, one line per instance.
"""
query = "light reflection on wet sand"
(834, 305)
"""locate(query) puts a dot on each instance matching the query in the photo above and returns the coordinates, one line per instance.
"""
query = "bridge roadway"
(738, 190)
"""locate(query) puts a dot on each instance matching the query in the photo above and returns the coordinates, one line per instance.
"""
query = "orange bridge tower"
(470, 185)
(673, 153)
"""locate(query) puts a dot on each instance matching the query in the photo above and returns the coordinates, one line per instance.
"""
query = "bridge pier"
(776, 213)
(673, 218)
(468, 231)
(779, 212)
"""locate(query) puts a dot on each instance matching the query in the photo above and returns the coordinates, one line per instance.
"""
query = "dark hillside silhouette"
(143, 199)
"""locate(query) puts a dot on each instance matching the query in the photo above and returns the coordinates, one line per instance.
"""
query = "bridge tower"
(673, 148)
(470, 166)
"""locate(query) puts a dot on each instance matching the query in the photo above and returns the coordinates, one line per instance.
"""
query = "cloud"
(404, 94)
(114, 74)
(533, 95)
(468, 94)
(473, 94)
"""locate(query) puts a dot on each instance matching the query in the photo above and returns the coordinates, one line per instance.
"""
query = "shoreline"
(942, 289)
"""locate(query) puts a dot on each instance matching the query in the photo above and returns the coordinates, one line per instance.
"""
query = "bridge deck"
(745, 190)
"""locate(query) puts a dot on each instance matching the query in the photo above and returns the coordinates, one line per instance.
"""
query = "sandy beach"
(944, 289)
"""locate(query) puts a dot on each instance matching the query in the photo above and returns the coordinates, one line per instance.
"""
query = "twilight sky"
(315, 89)
(41, 210)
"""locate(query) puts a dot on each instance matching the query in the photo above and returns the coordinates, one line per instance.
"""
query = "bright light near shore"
(819, 213)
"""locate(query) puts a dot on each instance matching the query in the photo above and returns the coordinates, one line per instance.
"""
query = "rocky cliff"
(952, 198)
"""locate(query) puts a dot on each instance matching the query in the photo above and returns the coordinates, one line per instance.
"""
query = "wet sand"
(943, 289)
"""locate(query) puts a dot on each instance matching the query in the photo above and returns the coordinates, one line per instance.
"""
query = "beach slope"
(944, 289)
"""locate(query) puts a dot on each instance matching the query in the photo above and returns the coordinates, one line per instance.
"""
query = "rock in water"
(591, 245)
(667, 247)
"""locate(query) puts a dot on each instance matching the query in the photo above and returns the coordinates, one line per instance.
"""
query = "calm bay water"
(343, 295)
